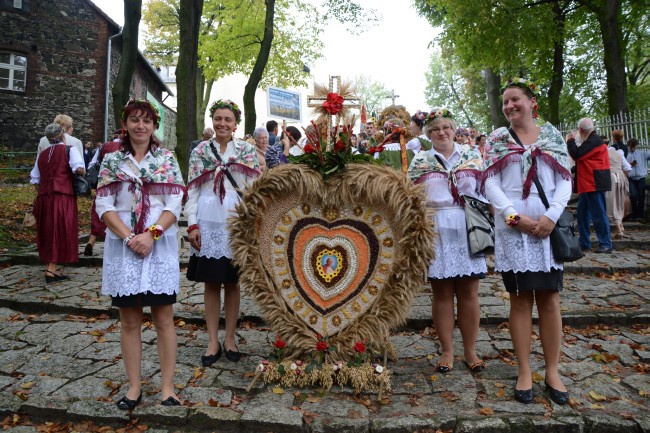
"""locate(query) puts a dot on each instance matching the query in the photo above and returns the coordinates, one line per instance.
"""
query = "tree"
(258, 69)
(122, 85)
(186, 72)
(373, 93)
(231, 35)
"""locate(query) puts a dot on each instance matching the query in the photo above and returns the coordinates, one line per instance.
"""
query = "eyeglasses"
(445, 128)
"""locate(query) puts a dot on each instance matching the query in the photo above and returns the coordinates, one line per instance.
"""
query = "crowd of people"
(141, 196)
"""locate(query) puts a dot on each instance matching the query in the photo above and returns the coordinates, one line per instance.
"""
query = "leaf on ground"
(574, 403)
(500, 385)
(596, 406)
(313, 399)
(596, 396)
(644, 393)
(433, 378)
(487, 411)
(449, 396)
(278, 390)
(213, 403)
(354, 414)
(27, 385)
(501, 393)
(537, 378)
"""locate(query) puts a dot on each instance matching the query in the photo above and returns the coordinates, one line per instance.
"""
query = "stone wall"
(65, 42)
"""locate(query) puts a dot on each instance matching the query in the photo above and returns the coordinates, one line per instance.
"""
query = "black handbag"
(80, 186)
(564, 241)
(479, 221)
(480, 225)
(92, 176)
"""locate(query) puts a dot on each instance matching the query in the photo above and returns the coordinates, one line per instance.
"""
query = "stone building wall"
(65, 43)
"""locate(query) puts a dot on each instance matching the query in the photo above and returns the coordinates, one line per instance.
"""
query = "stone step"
(620, 298)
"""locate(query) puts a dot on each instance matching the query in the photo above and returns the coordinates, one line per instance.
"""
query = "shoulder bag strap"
(538, 184)
(225, 169)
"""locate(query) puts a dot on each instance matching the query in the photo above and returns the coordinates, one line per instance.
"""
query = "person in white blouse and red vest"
(594, 179)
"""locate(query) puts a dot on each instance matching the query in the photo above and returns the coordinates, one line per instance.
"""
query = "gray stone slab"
(84, 388)
(598, 423)
(568, 424)
(45, 407)
(12, 360)
(328, 424)
(271, 418)
(197, 394)
(97, 411)
(486, 425)
(165, 415)
(9, 404)
(56, 365)
(514, 407)
(40, 385)
(336, 407)
(213, 418)
(402, 424)
(71, 345)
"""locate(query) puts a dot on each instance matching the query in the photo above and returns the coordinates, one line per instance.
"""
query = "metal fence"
(13, 160)
(634, 125)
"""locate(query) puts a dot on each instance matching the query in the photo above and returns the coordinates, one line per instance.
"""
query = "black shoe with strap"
(127, 404)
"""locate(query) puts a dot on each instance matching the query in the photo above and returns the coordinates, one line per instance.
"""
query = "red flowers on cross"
(334, 103)
(359, 347)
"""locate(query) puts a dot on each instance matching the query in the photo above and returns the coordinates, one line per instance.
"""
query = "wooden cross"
(393, 96)
(334, 84)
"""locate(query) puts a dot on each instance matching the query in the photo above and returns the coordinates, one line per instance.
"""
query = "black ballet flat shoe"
(524, 396)
(54, 278)
(232, 355)
(88, 251)
(559, 397)
(127, 404)
(208, 360)
(170, 401)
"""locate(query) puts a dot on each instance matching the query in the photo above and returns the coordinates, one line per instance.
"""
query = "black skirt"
(516, 282)
(480, 276)
(146, 299)
(210, 270)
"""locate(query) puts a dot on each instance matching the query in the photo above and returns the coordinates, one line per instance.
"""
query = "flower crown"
(442, 112)
(226, 103)
(524, 84)
(141, 101)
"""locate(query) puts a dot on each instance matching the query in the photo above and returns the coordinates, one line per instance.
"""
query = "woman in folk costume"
(219, 169)
(55, 208)
(449, 171)
(523, 251)
(420, 140)
(139, 197)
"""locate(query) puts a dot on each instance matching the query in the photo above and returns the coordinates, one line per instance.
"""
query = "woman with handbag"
(219, 169)
(523, 252)
(139, 197)
(450, 171)
(55, 209)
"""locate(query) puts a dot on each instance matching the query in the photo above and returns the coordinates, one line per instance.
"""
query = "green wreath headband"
(226, 103)
(440, 113)
(524, 84)
(141, 101)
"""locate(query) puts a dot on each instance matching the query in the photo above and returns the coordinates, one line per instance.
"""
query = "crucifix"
(392, 96)
(316, 101)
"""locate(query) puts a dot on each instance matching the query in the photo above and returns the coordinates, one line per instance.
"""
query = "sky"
(393, 52)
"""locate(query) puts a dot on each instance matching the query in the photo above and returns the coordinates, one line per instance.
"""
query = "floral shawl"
(426, 166)
(550, 147)
(160, 176)
(204, 166)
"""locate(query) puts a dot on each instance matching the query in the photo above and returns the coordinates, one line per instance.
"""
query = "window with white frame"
(13, 71)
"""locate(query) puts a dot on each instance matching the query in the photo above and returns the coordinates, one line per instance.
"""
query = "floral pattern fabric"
(550, 147)
(162, 175)
(425, 165)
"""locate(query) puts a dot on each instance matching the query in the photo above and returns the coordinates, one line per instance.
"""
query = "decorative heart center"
(329, 263)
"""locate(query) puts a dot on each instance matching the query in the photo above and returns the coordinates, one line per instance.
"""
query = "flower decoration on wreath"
(523, 83)
(228, 104)
(439, 113)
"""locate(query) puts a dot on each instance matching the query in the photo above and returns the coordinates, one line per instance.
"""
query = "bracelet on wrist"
(128, 238)
(191, 228)
(157, 231)
(512, 219)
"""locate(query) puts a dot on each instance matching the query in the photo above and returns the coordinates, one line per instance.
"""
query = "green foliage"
(231, 32)
(374, 94)
(352, 13)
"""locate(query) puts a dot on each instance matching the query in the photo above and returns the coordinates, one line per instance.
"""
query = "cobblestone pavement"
(60, 362)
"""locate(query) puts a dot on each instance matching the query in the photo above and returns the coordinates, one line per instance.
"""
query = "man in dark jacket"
(593, 179)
